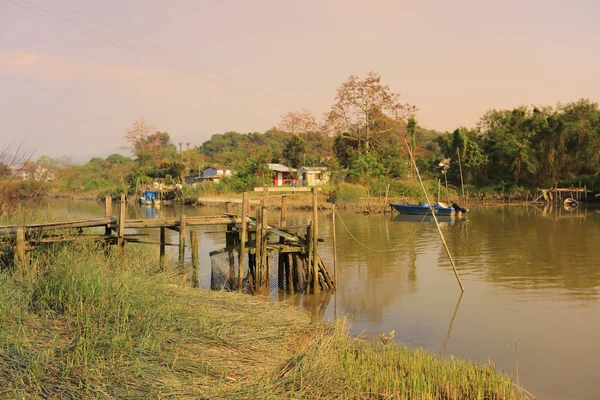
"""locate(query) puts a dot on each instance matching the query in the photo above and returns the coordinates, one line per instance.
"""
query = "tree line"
(363, 139)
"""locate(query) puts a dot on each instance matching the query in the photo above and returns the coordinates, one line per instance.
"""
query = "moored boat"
(422, 209)
(150, 197)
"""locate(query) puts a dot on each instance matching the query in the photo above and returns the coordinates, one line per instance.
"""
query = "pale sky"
(69, 93)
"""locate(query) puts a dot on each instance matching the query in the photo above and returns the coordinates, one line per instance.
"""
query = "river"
(530, 275)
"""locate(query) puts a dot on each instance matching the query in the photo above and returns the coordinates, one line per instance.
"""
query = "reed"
(88, 323)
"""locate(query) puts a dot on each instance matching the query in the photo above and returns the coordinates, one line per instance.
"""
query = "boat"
(150, 197)
(422, 209)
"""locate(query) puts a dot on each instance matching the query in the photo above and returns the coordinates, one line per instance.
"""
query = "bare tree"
(363, 106)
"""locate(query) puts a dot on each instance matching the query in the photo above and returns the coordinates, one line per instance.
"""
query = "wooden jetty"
(248, 241)
(557, 195)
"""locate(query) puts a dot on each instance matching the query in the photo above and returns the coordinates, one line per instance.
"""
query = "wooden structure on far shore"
(245, 235)
(557, 195)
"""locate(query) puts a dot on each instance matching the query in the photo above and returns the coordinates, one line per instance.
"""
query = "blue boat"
(150, 197)
(422, 209)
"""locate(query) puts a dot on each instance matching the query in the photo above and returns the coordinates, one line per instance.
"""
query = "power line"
(147, 43)
(90, 32)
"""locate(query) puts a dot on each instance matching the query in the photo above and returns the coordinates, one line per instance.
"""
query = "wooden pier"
(249, 244)
(557, 195)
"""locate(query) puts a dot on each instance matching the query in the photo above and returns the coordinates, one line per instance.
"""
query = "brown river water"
(529, 274)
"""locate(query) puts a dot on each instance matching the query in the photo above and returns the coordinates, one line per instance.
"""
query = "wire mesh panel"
(225, 271)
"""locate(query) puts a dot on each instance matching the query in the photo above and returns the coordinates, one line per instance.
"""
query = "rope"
(379, 250)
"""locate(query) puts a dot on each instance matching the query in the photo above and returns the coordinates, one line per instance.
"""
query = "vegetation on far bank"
(362, 141)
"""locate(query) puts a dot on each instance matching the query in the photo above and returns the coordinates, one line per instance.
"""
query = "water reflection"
(529, 272)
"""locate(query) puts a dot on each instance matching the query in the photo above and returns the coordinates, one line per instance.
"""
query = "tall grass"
(88, 323)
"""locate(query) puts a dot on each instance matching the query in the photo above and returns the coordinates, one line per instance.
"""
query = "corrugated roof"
(280, 168)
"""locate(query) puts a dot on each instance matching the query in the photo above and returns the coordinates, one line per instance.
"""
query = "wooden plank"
(285, 189)
(11, 230)
(224, 200)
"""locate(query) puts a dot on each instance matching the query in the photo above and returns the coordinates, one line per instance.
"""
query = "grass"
(86, 323)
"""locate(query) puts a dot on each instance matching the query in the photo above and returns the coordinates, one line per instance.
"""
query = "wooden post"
(162, 247)
(309, 255)
(20, 252)
(439, 189)
(265, 269)
(181, 240)
(195, 263)
(335, 280)
(121, 232)
(315, 239)
(107, 212)
(289, 273)
(283, 215)
(385, 204)
(228, 207)
(258, 249)
(462, 185)
(243, 234)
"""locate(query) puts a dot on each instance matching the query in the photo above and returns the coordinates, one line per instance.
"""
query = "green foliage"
(365, 167)
(96, 184)
(295, 151)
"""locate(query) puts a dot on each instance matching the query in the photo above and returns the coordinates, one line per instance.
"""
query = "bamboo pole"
(121, 230)
(435, 219)
(462, 185)
(335, 278)
(315, 239)
(195, 263)
(162, 247)
(181, 240)
(243, 234)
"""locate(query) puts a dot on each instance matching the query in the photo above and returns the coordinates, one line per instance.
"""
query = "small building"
(215, 173)
(191, 179)
(283, 175)
(312, 176)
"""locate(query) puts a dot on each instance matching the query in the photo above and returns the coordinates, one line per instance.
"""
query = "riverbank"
(85, 324)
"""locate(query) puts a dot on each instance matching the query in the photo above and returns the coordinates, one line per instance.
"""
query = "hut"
(312, 176)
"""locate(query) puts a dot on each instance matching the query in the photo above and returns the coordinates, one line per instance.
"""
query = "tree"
(117, 159)
(142, 137)
(301, 123)
(364, 107)
(295, 151)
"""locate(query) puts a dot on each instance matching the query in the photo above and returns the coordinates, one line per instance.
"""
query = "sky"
(75, 74)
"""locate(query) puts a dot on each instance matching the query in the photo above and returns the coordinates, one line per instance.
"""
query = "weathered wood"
(335, 278)
(289, 281)
(308, 258)
(243, 234)
(315, 236)
(195, 263)
(107, 213)
(258, 249)
(121, 222)
(224, 200)
(283, 214)
(182, 227)
(11, 230)
(283, 189)
(295, 273)
(228, 208)
(265, 265)
(20, 259)
(326, 275)
(163, 240)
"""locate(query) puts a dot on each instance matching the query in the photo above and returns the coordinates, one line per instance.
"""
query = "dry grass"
(88, 324)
